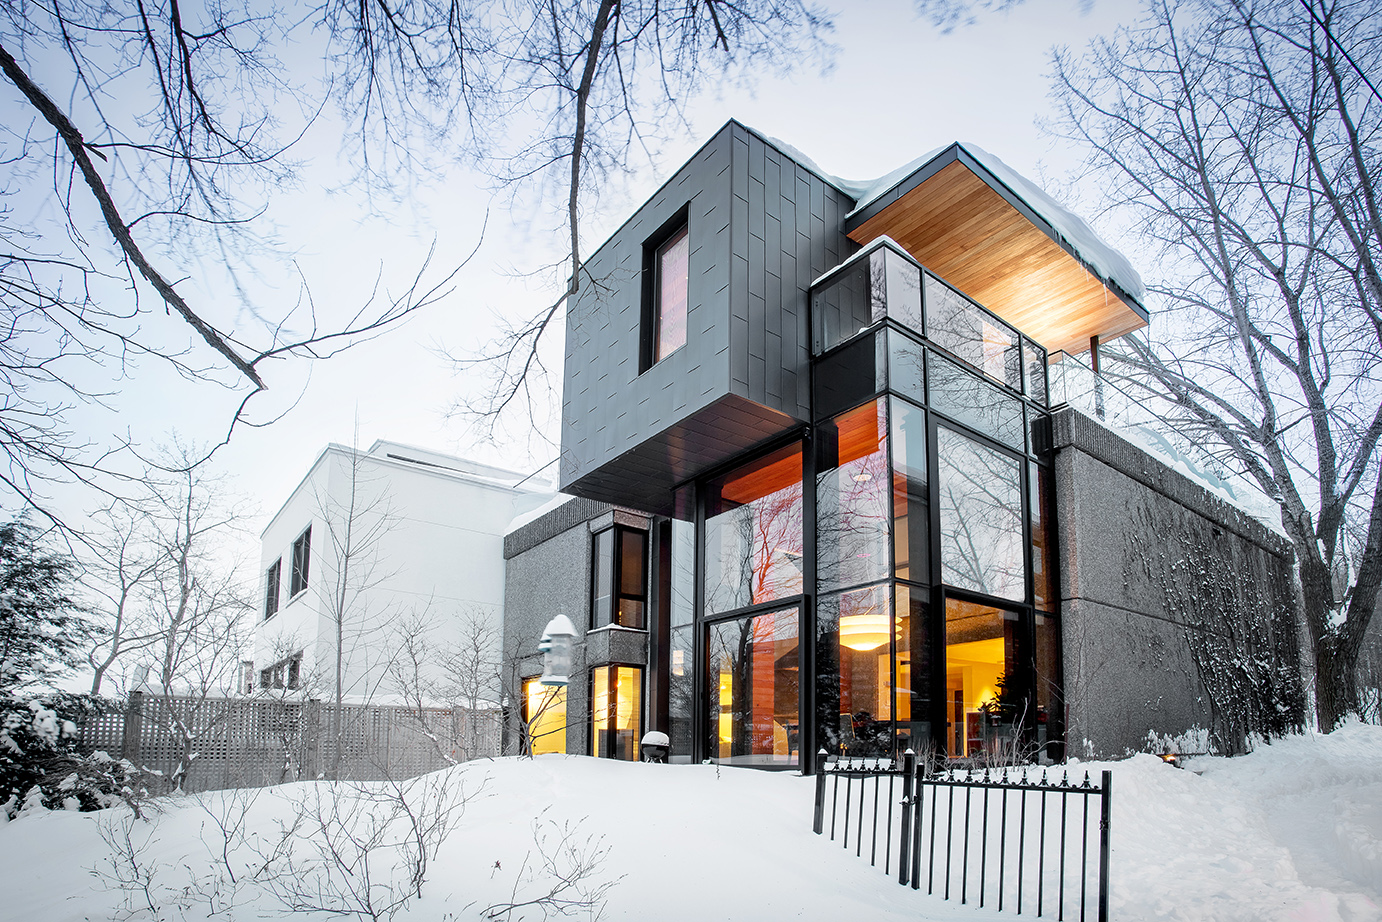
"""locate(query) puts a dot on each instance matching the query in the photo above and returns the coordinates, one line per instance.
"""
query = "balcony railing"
(883, 281)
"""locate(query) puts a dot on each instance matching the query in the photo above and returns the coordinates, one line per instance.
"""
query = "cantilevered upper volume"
(966, 216)
(690, 339)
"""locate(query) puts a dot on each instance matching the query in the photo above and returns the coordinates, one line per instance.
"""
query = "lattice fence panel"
(252, 742)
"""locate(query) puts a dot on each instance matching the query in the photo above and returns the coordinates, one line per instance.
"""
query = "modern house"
(826, 499)
(384, 541)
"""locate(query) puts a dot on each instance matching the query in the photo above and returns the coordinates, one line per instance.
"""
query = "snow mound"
(1290, 832)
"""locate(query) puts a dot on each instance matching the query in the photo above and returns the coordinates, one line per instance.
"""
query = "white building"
(396, 539)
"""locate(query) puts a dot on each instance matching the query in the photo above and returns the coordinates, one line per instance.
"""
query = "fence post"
(310, 742)
(819, 822)
(1105, 816)
(904, 850)
(132, 732)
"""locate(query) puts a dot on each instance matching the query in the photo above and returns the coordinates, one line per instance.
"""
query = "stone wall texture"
(1176, 606)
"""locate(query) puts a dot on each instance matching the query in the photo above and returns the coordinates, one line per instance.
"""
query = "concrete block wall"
(1175, 605)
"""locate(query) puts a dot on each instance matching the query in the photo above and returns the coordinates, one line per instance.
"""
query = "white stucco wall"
(431, 538)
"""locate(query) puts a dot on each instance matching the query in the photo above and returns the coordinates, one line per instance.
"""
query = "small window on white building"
(302, 554)
(283, 674)
(271, 585)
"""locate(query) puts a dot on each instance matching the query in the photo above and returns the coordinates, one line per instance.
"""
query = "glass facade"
(753, 533)
(883, 582)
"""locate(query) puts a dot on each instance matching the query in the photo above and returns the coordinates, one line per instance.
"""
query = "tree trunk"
(1336, 681)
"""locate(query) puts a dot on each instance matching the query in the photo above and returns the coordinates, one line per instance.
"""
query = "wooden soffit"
(964, 225)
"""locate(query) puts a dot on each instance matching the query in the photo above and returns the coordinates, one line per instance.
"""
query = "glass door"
(754, 668)
(985, 697)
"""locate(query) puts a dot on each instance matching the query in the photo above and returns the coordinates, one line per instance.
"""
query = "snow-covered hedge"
(41, 766)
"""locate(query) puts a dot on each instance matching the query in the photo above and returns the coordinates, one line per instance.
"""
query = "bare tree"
(119, 574)
(158, 134)
(194, 609)
(449, 686)
(604, 78)
(357, 518)
(1242, 136)
(155, 136)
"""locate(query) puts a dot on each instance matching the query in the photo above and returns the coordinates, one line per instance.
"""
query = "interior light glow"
(864, 632)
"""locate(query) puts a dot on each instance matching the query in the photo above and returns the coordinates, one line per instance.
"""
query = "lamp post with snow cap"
(555, 648)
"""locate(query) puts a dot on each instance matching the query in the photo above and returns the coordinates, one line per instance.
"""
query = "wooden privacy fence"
(1014, 839)
(253, 742)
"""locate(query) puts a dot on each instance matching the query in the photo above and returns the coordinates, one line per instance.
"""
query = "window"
(271, 581)
(286, 673)
(752, 678)
(302, 554)
(667, 268)
(852, 497)
(982, 535)
(753, 533)
(616, 699)
(544, 713)
(620, 581)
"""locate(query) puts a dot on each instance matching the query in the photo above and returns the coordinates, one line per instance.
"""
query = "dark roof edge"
(728, 125)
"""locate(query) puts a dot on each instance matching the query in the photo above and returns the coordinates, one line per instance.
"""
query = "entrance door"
(754, 668)
(984, 695)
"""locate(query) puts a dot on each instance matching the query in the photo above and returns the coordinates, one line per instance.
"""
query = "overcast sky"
(898, 88)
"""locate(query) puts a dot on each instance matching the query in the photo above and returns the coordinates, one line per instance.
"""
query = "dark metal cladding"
(762, 227)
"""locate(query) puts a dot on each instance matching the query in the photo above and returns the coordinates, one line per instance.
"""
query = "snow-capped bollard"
(654, 746)
(555, 648)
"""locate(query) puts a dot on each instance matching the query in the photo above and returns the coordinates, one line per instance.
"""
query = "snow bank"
(1290, 832)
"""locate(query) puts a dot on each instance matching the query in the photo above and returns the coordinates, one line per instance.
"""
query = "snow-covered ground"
(1291, 832)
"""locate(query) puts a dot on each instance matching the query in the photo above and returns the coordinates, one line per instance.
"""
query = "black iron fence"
(1021, 839)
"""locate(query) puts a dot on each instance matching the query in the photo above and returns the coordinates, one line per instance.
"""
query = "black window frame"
(284, 674)
(653, 248)
(594, 740)
(612, 609)
(273, 579)
(302, 561)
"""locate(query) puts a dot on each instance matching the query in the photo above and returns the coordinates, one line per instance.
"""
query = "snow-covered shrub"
(41, 766)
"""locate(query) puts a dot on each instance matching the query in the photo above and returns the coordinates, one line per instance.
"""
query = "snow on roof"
(1110, 263)
(532, 515)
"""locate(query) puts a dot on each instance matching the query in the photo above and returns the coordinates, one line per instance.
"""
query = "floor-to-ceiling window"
(616, 711)
(753, 579)
(754, 668)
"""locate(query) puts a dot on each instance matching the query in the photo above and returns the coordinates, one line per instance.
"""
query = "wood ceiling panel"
(963, 230)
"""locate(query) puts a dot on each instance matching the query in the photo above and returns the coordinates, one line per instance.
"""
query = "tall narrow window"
(616, 699)
(302, 554)
(671, 263)
(753, 533)
(544, 713)
(620, 580)
(271, 582)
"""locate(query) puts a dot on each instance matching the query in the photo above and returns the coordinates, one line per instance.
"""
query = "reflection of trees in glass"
(753, 672)
(853, 503)
(681, 692)
(856, 637)
(980, 500)
(976, 403)
(754, 551)
(971, 334)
